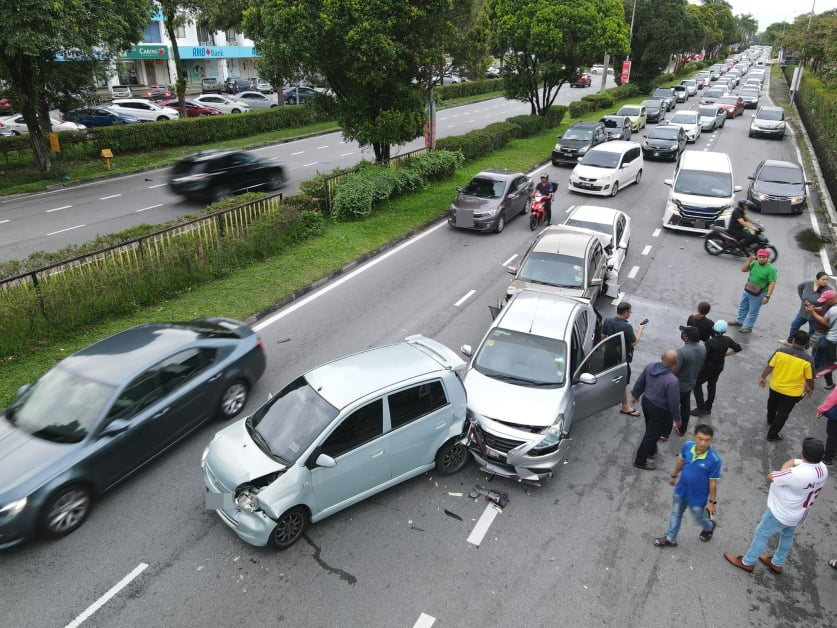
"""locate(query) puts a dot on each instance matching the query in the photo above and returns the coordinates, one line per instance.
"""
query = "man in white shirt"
(793, 490)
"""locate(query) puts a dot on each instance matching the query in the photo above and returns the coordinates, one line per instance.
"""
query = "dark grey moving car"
(491, 198)
(576, 141)
(213, 175)
(778, 187)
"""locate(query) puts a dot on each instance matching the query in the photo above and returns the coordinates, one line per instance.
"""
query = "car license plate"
(493, 453)
(586, 186)
(700, 224)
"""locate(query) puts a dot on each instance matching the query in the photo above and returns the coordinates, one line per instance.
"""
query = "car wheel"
(65, 511)
(615, 190)
(501, 224)
(289, 527)
(233, 400)
(236, 111)
(291, 100)
(221, 192)
(638, 176)
(526, 206)
(16, 133)
(451, 457)
(275, 182)
(161, 118)
(272, 106)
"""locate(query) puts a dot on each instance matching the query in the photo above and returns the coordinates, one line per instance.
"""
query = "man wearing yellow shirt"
(791, 372)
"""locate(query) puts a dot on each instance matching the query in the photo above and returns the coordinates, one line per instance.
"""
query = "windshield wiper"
(511, 378)
(258, 438)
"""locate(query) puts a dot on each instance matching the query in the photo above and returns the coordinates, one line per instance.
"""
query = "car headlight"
(781, 125)
(558, 146)
(204, 455)
(797, 199)
(12, 509)
(550, 437)
(247, 500)
(583, 150)
(760, 196)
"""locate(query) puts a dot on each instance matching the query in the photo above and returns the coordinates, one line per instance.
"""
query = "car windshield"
(286, 426)
(485, 188)
(663, 92)
(774, 174)
(578, 134)
(708, 112)
(748, 93)
(521, 358)
(628, 111)
(62, 406)
(651, 104)
(713, 93)
(770, 115)
(662, 133)
(702, 183)
(601, 159)
(553, 269)
(683, 118)
(728, 100)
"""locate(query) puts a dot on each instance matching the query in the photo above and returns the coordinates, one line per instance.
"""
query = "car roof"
(564, 240)
(705, 160)
(209, 154)
(615, 146)
(778, 163)
(770, 108)
(584, 124)
(594, 213)
(497, 173)
(539, 313)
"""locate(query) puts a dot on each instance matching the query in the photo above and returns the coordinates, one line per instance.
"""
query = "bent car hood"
(24, 457)
(234, 458)
(510, 403)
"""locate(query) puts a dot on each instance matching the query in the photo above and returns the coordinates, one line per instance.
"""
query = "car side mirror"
(596, 282)
(466, 350)
(587, 378)
(737, 188)
(326, 461)
(512, 270)
(667, 182)
(115, 427)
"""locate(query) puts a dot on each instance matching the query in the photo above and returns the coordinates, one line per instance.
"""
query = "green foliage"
(818, 109)
(529, 125)
(480, 142)
(554, 115)
(602, 100)
(436, 165)
(581, 107)
(357, 194)
(462, 90)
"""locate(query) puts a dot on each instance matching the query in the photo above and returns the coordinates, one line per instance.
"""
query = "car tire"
(161, 118)
(451, 457)
(236, 111)
(291, 100)
(638, 177)
(615, 189)
(65, 511)
(501, 224)
(220, 193)
(233, 400)
(272, 106)
(289, 527)
(714, 245)
(526, 206)
(275, 182)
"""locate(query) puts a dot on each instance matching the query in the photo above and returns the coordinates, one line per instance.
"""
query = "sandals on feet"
(707, 535)
(664, 542)
(832, 563)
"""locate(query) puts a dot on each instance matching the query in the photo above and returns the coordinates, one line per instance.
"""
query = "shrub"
(580, 107)
(357, 194)
(529, 125)
(554, 115)
(436, 165)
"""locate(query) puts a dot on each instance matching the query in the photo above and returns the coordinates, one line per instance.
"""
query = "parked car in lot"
(261, 85)
(563, 261)
(221, 103)
(732, 104)
(216, 174)
(538, 370)
(664, 142)
(17, 125)
(105, 412)
(778, 187)
(256, 100)
(607, 168)
(233, 85)
(211, 85)
(655, 110)
(120, 91)
(159, 92)
(768, 121)
(712, 117)
(611, 226)
(576, 141)
(490, 200)
(93, 117)
(143, 110)
(637, 114)
(618, 127)
(193, 109)
(298, 94)
(689, 121)
(336, 435)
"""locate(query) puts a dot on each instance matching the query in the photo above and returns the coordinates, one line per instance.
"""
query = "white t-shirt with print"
(793, 491)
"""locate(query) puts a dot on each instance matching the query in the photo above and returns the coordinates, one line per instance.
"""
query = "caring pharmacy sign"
(146, 51)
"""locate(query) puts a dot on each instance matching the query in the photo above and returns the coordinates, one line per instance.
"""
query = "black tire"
(220, 193)
(275, 182)
(526, 206)
(713, 244)
(774, 254)
(501, 223)
(65, 511)
(233, 400)
(272, 106)
(451, 457)
(291, 100)
(289, 527)
(533, 222)
(615, 189)
(236, 110)
(161, 118)
(638, 177)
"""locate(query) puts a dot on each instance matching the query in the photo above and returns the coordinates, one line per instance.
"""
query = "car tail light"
(260, 345)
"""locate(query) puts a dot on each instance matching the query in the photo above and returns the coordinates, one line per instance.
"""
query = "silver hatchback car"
(336, 435)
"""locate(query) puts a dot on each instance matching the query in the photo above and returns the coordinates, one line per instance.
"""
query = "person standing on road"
(699, 468)
(828, 410)
(690, 358)
(660, 392)
(702, 321)
(808, 292)
(793, 490)
(718, 348)
(825, 349)
(614, 325)
(761, 282)
(791, 372)
(547, 189)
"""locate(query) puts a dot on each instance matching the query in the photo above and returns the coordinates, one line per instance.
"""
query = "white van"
(702, 192)
(607, 168)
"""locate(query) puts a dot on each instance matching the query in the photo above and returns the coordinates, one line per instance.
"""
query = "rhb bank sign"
(217, 52)
(208, 52)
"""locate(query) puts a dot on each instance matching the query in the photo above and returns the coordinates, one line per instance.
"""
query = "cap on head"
(812, 449)
(825, 296)
(763, 253)
(692, 333)
(720, 327)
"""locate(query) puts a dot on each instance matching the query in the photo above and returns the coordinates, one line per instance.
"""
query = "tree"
(659, 31)
(369, 53)
(176, 13)
(543, 44)
(747, 25)
(35, 34)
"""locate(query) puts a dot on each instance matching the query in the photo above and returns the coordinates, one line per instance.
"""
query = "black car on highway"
(105, 412)
(778, 187)
(665, 141)
(655, 108)
(213, 175)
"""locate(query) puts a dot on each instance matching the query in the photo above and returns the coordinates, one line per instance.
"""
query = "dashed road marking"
(95, 606)
(467, 296)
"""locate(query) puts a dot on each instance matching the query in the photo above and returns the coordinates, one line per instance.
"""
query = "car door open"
(600, 379)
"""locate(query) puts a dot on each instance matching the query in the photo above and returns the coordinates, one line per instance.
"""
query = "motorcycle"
(538, 211)
(719, 241)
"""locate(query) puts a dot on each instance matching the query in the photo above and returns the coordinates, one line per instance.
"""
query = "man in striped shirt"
(793, 490)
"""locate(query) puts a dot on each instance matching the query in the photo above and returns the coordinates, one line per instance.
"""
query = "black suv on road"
(576, 141)
(213, 175)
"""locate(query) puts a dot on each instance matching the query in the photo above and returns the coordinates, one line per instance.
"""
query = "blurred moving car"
(193, 109)
(256, 100)
(490, 200)
(664, 142)
(105, 412)
(94, 117)
(335, 436)
(618, 127)
(778, 187)
(143, 110)
(712, 117)
(17, 125)
(216, 174)
(222, 103)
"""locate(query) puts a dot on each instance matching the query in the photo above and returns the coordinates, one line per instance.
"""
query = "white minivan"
(702, 192)
(607, 168)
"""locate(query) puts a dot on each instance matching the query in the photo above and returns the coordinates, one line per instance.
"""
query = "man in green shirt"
(761, 281)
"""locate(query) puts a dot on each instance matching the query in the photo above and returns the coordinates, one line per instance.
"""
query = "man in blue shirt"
(546, 188)
(699, 468)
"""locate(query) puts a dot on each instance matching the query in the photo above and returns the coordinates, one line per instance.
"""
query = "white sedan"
(256, 100)
(143, 110)
(612, 227)
(17, 125)
(690, 121)
(221, 103)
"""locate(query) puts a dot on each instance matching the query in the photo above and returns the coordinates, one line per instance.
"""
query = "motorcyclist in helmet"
(547, 189)
(739, 222)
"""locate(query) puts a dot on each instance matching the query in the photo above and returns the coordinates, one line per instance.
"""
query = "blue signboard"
(217, 52)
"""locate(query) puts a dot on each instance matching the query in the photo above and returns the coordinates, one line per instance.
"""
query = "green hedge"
(470, 88)
(817, 107)
(580, 108)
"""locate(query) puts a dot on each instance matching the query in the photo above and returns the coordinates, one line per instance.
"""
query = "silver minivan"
(336, 435)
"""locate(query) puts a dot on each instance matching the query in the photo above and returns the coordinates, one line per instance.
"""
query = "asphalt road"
(576, 551)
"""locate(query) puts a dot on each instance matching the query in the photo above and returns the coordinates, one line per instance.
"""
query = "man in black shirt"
(547, 189)
(614, 325)
(717, 349)
(739, 221)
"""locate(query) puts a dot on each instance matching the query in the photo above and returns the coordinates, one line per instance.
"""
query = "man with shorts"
(614, 325)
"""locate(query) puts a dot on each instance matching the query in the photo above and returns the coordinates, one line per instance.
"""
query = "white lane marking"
(485, 520)
(646, 250)
(299, 152)
(105, 198)
(467, 296)
(321, 147)
(313, 163)
(509, 261)
(656, 233)
(149, 207)
(154, 187)
(67, 229)
(347, 154)
(424, 621)
(95, 606)
(49, 211)
(339, 282)
(3, 222)
(633, 272)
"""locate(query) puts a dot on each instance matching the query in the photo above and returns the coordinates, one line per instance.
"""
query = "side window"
(596, 258)
(181, 367)
(604, 356)
(513, 186)
(635, 153)
(620, 230)
(363, 425)
(412, 403)
(137, 396)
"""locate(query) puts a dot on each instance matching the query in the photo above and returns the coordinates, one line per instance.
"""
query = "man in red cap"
(761, 281)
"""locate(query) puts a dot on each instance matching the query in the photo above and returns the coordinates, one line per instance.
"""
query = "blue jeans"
(797, 324)
(678, 506)
(748, 309)
(767, 527)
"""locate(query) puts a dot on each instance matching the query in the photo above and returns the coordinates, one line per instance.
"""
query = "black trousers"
(710, 378)
(779, 407)
(831, 440)
(657, 423)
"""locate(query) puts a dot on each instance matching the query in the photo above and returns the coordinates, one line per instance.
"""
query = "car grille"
(498, 443)
(708, 214)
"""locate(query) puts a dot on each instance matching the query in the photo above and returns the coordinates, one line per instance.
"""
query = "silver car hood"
(510, 403)
(234, 458)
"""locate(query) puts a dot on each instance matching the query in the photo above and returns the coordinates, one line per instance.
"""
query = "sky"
(767, 12)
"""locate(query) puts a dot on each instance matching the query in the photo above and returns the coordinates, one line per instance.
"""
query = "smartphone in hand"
(644, 322)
